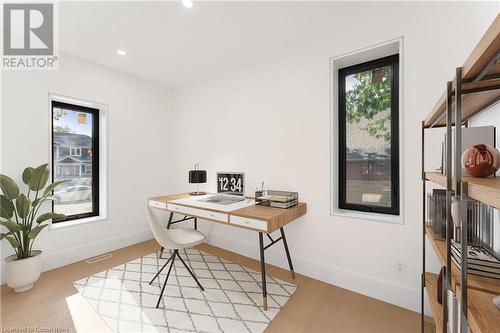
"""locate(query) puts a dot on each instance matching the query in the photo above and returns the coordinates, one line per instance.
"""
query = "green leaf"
(12, 241)
(39, 201)
(369, 101)
(11, 225)
(23, 206)
(9, 187)
(2, 235)
(6, 207)
(36, 230)
(53, 186)
(39, 178)
(49, 216)
(27, 173)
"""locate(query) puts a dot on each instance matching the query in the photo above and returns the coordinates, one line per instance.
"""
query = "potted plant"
(19, 214)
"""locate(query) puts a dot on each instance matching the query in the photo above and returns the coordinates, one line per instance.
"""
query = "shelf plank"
(437, 309)
(482, 314)
(475, 282)
(479, 58)
(485, 50)
(485, 190)
(472, 103)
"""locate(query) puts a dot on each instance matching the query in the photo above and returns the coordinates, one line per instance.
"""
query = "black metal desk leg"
(170, 219)
(287, 252)
(263, 271)
(168, 226)
(195, 223)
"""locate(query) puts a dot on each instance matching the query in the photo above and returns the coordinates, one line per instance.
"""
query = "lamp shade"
(197, 176)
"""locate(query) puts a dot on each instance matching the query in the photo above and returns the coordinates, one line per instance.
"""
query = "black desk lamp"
(197, 177)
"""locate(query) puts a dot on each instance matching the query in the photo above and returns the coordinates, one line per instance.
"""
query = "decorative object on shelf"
(278, 199)
(453, 311)
(470, 136)
(455, 217)
(436, 212)
(20, 215)
(197, 177)
(441, 276)
(480, 218)
(481, 160)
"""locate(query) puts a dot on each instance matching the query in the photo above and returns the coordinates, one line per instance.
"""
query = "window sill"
(74, 223)
(386, 218)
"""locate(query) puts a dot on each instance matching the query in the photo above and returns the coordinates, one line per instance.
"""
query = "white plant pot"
(22, 273)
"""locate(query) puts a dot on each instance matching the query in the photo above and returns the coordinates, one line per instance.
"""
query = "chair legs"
(166, 279)
(172, 259)
(192, 274)
(161, 269)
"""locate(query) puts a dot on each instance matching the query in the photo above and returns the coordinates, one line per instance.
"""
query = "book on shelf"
(476, 255)
(474, 271)
(479, 260)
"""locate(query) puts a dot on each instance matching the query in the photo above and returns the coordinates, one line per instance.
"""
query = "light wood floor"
(315, 306)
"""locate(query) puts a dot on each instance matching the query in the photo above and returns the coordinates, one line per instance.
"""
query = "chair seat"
(185, 238)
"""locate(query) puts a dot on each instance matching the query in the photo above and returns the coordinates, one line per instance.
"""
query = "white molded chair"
(173, 239)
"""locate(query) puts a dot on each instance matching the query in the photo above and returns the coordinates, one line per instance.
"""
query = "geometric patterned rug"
(231, 302)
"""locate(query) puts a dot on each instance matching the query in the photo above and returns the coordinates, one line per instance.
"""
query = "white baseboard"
(366, 285)
(78, 253)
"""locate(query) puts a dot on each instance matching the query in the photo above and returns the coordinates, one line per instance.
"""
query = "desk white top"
(194, 201)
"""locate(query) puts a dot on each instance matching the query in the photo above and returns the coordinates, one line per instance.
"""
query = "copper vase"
(481, 160)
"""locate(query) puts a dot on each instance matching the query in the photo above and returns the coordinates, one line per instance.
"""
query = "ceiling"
(173, 45)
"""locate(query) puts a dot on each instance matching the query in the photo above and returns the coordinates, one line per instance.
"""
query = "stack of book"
(480, 261)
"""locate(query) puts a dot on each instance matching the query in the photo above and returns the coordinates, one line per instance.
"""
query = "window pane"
(73, 142)
(368, 137)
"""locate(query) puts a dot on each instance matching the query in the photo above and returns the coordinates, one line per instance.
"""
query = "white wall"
(271, 119)
(138, 145)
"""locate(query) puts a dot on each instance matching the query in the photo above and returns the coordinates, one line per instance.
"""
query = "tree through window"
(368, 136)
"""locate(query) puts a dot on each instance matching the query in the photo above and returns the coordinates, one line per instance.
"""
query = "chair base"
(172, 260)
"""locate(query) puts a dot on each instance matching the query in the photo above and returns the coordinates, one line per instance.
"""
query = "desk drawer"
(203, 213)
(158, 204)
(249, 223)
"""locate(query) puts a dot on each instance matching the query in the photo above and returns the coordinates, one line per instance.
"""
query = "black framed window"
(75, 158)
(369, 136)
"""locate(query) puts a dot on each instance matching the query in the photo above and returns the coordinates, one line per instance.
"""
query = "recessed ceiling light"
(187, 3)
(121, 52)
